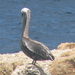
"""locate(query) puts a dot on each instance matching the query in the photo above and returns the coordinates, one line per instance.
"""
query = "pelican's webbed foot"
(33, 62)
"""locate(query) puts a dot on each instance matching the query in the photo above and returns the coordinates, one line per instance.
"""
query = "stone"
(65, 64)
(29, 69)
(66, 45)
(18, 63)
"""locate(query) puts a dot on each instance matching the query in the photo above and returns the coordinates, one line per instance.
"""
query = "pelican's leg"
(34, 61)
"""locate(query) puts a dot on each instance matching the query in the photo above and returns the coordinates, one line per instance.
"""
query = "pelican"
(32, 48)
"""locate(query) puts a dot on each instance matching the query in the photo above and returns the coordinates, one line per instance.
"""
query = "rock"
(18, 60)
(68, 53)
(18, 63)
(32, 70)
(66, 45)
(20, 70)
(5, 68)
(64, 65)
(29, 69)
(8, 62)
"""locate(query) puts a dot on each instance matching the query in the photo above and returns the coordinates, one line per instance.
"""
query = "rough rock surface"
(9, 63)
(18, 63)
(29, 69)
(65, 63)
(66, 45)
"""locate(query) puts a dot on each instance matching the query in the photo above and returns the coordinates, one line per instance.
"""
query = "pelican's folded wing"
(37, 48)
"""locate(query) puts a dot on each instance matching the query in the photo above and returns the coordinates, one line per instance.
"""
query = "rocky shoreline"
(64, 63)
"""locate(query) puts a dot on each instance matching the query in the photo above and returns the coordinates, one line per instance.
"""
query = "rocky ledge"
(19, 63)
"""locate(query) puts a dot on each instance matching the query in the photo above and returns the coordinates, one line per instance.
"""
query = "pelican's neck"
(25, 34)
(26, 20)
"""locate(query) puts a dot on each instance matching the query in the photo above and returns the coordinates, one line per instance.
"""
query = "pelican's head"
(25, 11)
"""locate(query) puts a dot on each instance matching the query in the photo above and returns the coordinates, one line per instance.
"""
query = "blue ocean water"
(52, 22)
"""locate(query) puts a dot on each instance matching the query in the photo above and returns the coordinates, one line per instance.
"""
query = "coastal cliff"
(20, 64)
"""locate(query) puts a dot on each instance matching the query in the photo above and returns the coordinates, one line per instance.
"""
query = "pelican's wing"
(37, 48)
